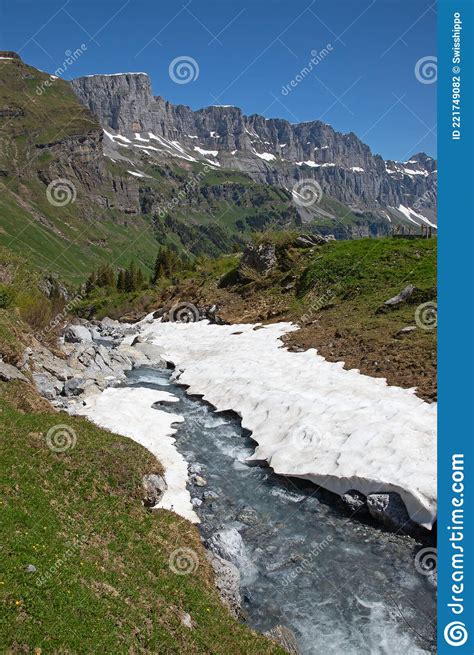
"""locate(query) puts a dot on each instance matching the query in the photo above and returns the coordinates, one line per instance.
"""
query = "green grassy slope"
(103, 582)
(46, 134)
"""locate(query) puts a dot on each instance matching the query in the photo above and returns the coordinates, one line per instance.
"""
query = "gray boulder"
(389, 509)
(210, 495)
(397, 300)
(228, 544)
(260, 258)
(199, 480)
(9, 373)
(154, 486)
(76, 386)
(77, 334)
(47, 386)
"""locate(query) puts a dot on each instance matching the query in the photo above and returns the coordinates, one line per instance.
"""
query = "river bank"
(148, 411)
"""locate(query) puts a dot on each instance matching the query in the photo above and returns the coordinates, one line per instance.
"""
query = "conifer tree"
(121, 280)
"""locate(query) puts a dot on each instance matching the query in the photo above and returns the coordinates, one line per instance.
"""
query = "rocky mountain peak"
(270, 150)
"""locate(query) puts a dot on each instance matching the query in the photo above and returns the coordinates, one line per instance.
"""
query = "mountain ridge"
(271, 150)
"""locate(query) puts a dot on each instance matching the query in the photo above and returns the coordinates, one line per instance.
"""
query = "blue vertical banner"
(456, 327)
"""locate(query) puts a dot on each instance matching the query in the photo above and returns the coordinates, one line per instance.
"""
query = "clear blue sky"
(247, 50)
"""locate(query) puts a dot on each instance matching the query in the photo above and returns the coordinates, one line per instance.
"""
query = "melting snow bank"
(129, 412)
(310, 418)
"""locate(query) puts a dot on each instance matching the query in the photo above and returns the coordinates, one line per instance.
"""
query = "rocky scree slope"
(272, 151)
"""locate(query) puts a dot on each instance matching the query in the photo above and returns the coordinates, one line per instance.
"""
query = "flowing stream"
(343, 587)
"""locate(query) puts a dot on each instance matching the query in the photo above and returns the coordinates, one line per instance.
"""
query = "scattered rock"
(187, 621)
(355, 501)
(31, 568)
(196, 502)
(402, 297)
(285, 637)
(310, 240)
(199, 481)
(406, 330)
(227, 579)
(47, 386)
(154, 486)
(295, 349)
(9, 373)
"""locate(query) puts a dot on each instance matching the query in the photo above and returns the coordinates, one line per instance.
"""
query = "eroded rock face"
(227, 579)
(260, 258)
(271, 151)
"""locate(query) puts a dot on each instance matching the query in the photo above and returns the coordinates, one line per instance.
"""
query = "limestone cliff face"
(273, 151)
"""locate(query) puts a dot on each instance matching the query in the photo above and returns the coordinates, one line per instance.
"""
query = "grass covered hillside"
(70, 208)
(57, 204)
(84, 566)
